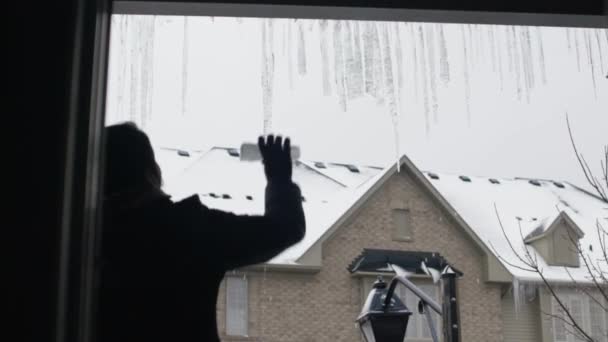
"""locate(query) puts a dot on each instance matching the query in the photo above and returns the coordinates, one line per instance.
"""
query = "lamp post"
(384, 317)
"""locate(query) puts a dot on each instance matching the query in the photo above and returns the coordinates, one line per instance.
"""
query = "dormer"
(557, 242)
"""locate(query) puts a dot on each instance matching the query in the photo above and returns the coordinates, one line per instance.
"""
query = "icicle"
(324, 57)
(357, 72)
(122, 60)
(393, 87)
(467, 85)
(516, 64)
(483, 44)
(526, 61)
(499, 55)
(147, 67)
(541, 57)
(372, 58)
(423, 68)
(395, 120)
(444, 66)
(267, 78)
(591, 62)
(432, 76)
(351, 51)
(478, 42)
(134, 74)
(387, 79)
(339, 64)
(413, 47)
(185, 66)
(472, 52)
(491, 46)
(360, 37)
(399, 55)
(284, 38)
(290, 24)
(529, 59)
(599, 50)
(301, 50)
(516, 295)
(568, 39)
(509, 48)
(576, 48)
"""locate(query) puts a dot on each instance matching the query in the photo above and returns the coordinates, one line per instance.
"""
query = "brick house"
(308, 294)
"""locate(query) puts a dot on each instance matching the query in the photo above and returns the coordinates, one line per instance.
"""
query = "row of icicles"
(366, 58)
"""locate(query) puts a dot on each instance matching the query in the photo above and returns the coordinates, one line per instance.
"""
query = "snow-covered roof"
(526, 208)
(224, 182)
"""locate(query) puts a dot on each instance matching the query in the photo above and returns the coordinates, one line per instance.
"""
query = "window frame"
(81, 152)
(358, 13)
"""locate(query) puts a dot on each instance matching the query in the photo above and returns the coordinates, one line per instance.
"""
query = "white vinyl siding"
(521, 325)
(236, 306)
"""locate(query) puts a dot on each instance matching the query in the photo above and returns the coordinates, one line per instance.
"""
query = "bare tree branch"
(591, 179)
(584, 289)
(530, 262)
(567, 326)
(591, 268)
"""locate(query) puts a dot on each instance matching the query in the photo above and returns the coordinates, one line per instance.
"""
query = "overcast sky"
(499, 135)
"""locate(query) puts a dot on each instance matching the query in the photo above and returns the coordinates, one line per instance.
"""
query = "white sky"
(504, 136)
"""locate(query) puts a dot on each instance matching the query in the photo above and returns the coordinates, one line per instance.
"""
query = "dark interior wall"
(40, 75)
(40, 69)
(49, 118)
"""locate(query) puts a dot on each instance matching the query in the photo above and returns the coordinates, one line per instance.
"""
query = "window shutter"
(402, 224)
(236, 306)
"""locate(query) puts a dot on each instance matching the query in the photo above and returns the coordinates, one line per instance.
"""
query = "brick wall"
(322, 307)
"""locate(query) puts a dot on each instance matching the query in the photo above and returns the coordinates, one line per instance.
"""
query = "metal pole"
(451, 321)
(430, 321)
(407, 283)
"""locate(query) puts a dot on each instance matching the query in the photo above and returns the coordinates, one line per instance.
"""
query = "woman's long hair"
(130, 167)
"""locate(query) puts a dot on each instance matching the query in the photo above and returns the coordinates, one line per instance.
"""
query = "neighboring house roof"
(528, 209)
(333, 192)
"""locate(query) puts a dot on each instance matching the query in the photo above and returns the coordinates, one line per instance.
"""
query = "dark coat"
(163, 262)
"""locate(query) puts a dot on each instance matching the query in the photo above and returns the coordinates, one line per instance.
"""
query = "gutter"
(288, 268)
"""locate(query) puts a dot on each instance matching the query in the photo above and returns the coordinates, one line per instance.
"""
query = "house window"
(236, 306)
(590, 315)
(402, 225)
(417, 327)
